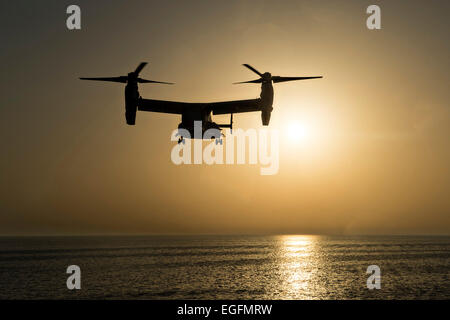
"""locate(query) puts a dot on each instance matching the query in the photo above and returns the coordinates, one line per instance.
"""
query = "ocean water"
(225, 267)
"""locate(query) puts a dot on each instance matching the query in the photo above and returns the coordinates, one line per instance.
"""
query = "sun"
(299, 133)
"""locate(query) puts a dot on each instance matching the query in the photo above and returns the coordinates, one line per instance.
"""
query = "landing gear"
(219, 140)
(181, 140)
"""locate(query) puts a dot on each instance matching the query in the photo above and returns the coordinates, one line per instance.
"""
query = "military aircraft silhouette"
(191, 112)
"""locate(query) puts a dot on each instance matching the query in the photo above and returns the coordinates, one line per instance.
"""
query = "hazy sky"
(374, 159)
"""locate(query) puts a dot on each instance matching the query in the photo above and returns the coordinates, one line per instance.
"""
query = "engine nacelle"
(265, 116)
(131, 102)
(130, 114)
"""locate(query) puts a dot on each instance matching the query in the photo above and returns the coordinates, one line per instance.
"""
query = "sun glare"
(298, 133)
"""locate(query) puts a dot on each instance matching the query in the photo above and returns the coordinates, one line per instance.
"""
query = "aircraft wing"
(162, 106)
(237, 106)
(174, 107)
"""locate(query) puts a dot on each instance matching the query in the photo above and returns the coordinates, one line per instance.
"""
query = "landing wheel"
(181, 140)
(219, 140)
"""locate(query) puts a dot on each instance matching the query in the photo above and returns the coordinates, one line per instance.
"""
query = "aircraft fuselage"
(189, 119)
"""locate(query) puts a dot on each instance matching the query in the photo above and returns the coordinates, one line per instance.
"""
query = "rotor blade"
(151, 81)
(140, 67)
(253, 69)
(277, 79)
(251, 81)
(122, 79)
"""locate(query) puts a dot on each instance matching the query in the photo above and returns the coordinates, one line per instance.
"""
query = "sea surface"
(225, 267)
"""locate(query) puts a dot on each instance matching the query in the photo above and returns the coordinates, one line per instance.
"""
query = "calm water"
(225, 267)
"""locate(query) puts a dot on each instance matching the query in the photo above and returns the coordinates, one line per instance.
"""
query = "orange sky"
(374, 158)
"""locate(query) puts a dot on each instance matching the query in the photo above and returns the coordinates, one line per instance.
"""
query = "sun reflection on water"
(298, 264)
